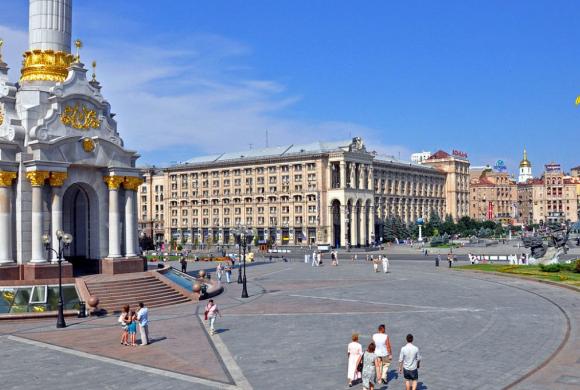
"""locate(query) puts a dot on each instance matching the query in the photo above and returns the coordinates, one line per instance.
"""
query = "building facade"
(493, 197)
(552, 198)
(63, 166)
(335, 193)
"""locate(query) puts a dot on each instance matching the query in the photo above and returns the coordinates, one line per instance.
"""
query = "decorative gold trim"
(113, 182)
(6, 178)
(132, 183)
(45, 65)
(88, 145)
(37, 178)
(57, 179)
(1, 116)
(80, 117)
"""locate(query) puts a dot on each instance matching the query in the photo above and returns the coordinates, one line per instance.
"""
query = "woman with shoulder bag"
(354, 353)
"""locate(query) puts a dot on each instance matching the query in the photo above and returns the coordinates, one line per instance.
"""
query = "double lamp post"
(243, 235)
(64, 241)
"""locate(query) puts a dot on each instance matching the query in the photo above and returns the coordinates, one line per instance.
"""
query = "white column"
(131, 185)
(37, 179)
(6, 179)
(363, 225)
(372, 233)
(129, 224)
(354, 225)
(343, 215)
(342, 174)
(113, 183)
(56, 181)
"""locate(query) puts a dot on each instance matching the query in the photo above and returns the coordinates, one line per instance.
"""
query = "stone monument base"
(32, 271)
(122, 265)
(10, 271)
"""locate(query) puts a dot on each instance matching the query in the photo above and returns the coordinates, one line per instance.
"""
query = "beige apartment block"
(336, 193)
(456, 169)
(555, 197)
(493, 197)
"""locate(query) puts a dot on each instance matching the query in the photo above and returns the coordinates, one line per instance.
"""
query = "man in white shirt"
(385, 261)
(409, 362)
(143, 318)
(383, 351)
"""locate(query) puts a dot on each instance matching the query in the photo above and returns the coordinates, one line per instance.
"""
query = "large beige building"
(555, 196)
(335, 193)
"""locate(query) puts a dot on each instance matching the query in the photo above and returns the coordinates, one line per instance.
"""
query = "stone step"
(139, 281)
(114, 294)
(125, 286)
(120, 300)
(127, 291)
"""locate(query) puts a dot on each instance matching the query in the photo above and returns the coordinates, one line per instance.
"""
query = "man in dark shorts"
(409, 362)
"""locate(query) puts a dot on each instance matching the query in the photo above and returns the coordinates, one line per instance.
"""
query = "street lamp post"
(239, 234)
(245, 235)
(64, 241)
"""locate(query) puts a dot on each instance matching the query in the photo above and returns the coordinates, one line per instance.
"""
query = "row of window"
(249, 221)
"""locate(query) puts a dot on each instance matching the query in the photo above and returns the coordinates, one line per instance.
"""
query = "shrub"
(550, 267)
(576, 266)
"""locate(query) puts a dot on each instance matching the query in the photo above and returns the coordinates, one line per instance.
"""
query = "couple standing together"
(129, 321)
(373, 365)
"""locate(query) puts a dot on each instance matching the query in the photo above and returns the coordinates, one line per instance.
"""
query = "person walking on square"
(124, 321)
(353, 352)
(314, 259)
(219, 270)
(375, 264)
(211, 313)
(319, 259)
(383, 351)
(450, 259)
(228, 271)
(409, 362)
(183, 263)
(132, 328)
(143, 318)
(371, 371)
(385, 261)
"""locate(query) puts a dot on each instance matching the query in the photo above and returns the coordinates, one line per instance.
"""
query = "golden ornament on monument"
(45, 65)
(1, 116)
(80, 117)
(88, 145)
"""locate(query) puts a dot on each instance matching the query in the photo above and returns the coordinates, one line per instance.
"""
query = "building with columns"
(336, 193)
(63, 165)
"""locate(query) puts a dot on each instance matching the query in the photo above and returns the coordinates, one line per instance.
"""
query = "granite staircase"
(114, 292)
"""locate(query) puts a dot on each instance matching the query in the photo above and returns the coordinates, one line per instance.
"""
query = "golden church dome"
(525, 162)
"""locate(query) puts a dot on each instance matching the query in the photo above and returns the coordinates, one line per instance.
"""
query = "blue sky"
(190, 77)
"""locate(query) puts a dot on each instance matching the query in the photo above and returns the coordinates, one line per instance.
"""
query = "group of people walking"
(380, 260)
(224, 269)
(372, 365)
(130, 320)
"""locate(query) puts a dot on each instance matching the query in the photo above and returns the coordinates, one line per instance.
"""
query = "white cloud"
(198, 93)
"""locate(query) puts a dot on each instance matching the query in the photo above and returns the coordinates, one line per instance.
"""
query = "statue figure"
(541, 253)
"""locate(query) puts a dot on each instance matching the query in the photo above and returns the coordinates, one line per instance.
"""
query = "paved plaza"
(475, 332)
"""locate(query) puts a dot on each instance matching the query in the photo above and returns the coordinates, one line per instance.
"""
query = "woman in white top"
(354, 352)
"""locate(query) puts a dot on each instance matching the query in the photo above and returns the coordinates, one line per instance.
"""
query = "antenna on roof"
(399, 155)
(251, 146)
(267, 138)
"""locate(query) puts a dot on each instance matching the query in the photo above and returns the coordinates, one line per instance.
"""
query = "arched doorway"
(80, 218)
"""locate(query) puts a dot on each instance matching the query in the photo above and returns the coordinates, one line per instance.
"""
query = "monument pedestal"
(122, 265)
(34, 271)
(10, 271)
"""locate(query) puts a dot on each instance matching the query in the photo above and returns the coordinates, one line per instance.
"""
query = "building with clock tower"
(63, 165)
